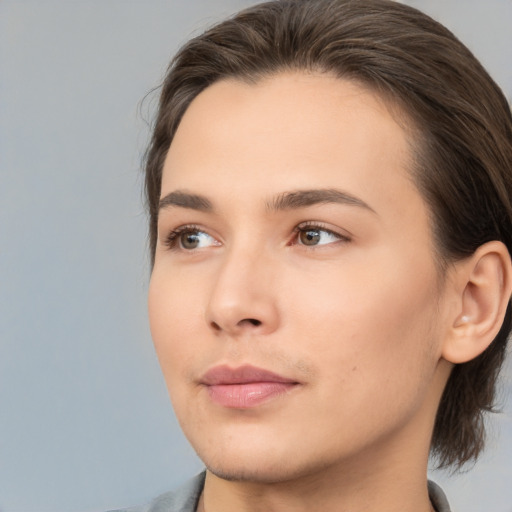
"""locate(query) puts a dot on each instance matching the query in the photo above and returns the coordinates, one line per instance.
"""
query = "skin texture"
(359, 321)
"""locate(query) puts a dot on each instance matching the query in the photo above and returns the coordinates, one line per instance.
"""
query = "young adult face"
(295, 304)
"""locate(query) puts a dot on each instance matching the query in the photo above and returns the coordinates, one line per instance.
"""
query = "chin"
(262, 466)
(267, 474)
(242, 466)
(243, 475)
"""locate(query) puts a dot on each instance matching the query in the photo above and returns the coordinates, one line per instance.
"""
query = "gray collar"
(437, 497)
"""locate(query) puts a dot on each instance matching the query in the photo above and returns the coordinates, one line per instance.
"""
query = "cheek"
(376, 357)
(173, 317)
(373, 322)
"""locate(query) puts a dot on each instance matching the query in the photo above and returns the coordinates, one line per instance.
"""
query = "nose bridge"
(242, 299)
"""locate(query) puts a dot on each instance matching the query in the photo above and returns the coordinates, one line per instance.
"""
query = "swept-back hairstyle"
(461, 131)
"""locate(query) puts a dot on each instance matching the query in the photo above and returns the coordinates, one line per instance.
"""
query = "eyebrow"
(185, 200)
(286, 201)
(304, 198)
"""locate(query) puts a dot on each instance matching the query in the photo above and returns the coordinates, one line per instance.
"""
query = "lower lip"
(245, 396)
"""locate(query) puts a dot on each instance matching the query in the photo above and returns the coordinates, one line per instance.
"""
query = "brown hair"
(463, 155)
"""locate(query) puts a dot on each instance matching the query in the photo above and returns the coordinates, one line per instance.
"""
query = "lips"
(244, 387)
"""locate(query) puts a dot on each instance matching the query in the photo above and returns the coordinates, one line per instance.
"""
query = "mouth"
(244, 387)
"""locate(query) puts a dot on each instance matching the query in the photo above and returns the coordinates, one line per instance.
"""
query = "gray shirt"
(185, 499)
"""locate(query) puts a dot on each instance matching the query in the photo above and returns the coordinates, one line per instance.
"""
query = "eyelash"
(303, 227)
(172, 240)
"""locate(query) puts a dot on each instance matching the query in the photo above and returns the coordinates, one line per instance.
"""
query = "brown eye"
(309, 237)
(312, 236)
(190, 240)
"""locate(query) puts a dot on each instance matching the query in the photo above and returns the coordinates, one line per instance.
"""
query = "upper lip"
(246, 374)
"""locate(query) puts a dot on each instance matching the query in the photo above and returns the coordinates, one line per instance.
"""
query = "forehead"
(293, 131)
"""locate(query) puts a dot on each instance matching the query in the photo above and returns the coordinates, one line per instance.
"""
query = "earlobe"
(485, 284)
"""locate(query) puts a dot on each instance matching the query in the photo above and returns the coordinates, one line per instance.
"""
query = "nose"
(243, 299)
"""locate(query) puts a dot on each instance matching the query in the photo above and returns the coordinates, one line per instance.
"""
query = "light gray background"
(85, 423)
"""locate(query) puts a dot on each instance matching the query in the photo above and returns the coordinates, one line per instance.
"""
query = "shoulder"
(437, 497)
(183, 499)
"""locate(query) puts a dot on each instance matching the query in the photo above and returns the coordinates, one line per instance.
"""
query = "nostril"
(246, 322)
(215, 326)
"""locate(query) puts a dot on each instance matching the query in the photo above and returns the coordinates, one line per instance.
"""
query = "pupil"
(189, 240)
(310, 237)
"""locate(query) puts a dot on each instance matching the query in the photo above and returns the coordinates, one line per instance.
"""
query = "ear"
(484, 284)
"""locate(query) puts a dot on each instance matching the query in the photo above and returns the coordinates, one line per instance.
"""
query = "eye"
(189, 238)
(311, 236)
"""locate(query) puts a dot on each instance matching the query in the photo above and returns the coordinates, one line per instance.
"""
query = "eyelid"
(321, 226)
(171, 239)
